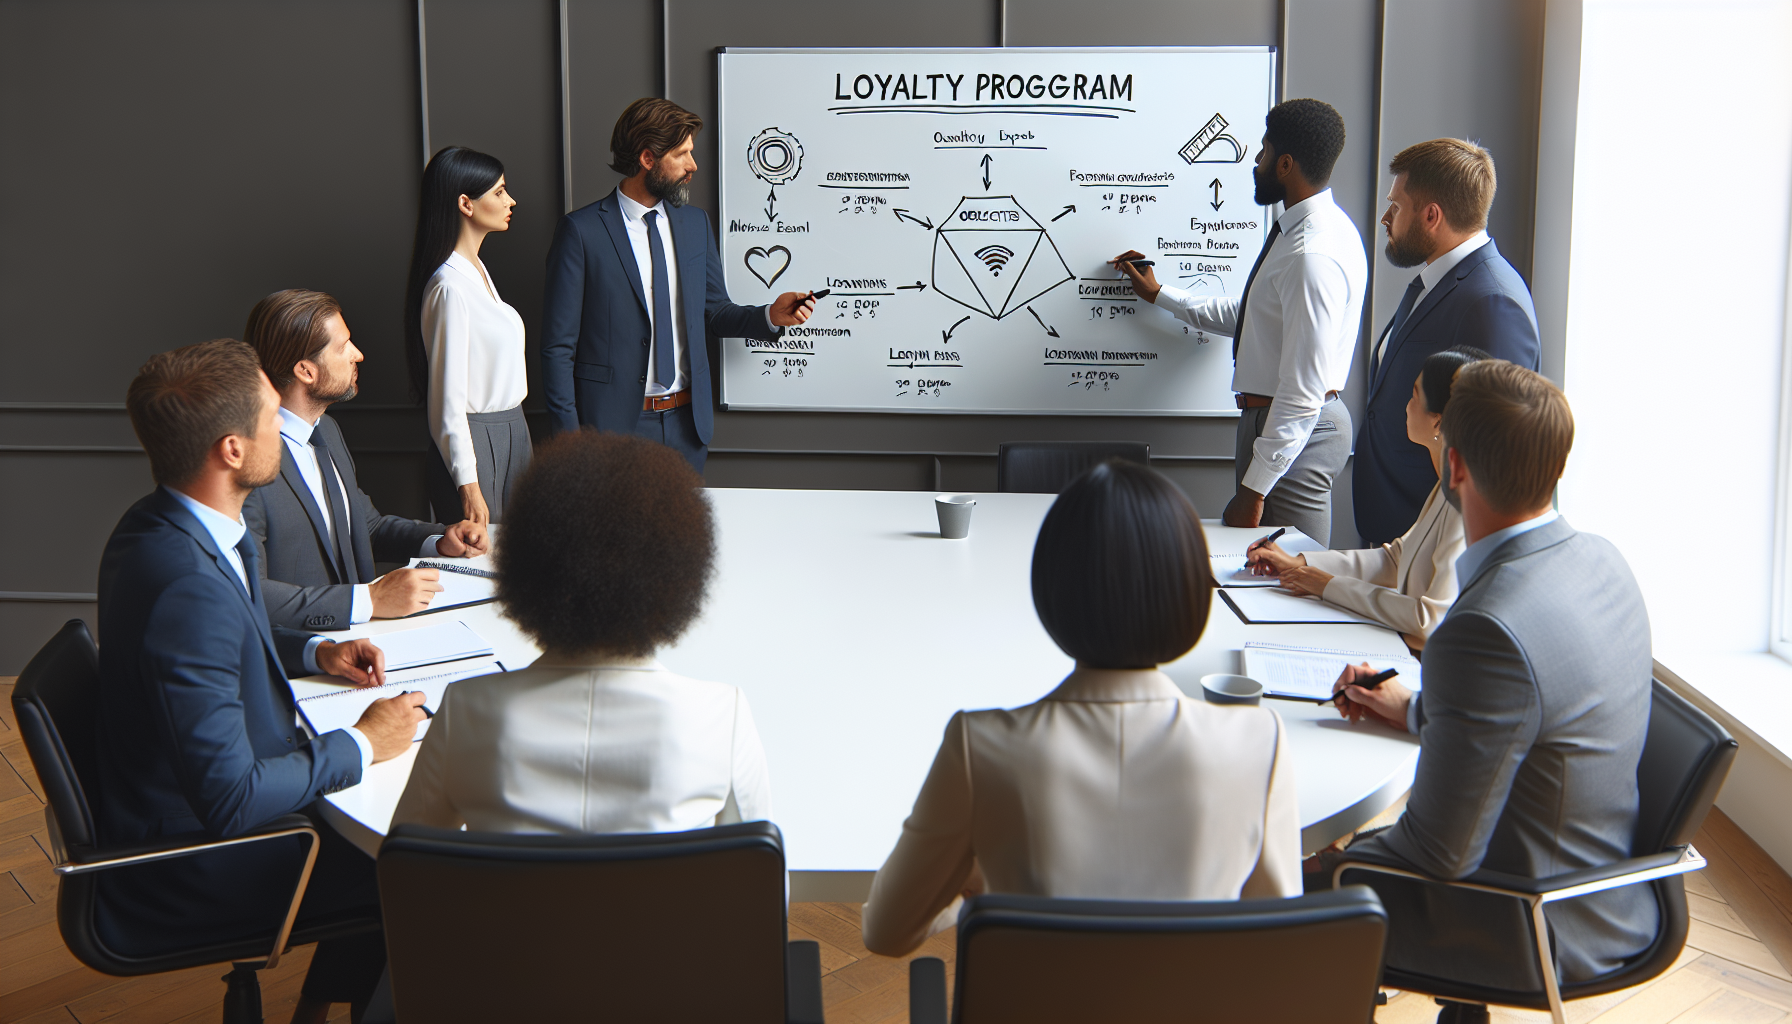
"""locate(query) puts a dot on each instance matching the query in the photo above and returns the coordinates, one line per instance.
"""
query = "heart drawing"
(768, 264)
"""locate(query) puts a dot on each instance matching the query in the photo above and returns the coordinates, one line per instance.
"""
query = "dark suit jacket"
(1482, 302)
(1531, 723)
(596, 324)
(197, 734)
(299, 579)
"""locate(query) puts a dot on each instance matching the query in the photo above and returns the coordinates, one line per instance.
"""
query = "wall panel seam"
(47, 597)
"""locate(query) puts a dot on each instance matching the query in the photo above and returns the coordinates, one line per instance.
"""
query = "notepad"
(1308, 673)
(459, 588)
(431, 645)
(1229, 570)
(1261, 606)
(343, 706)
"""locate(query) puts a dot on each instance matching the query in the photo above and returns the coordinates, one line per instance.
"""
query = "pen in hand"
(1368, 684)
(1271, 539)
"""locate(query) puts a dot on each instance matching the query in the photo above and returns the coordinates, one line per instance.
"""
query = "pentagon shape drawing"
(992, 257)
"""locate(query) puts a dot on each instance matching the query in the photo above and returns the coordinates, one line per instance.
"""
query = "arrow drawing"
(1042, 323)
(902, 214)
(986, 170)
(947, 335)
(1217, 201)
(1067, 209)
(771, 201)
(916, 287)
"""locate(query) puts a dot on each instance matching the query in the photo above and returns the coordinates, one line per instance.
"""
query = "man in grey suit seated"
(1532, 718)
(319, 534)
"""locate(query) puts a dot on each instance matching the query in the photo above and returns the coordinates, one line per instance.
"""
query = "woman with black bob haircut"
(606, 557)
(464, 344)
(1115, 785)
(1407, 584)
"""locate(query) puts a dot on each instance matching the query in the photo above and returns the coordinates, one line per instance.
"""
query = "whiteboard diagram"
(960, 206)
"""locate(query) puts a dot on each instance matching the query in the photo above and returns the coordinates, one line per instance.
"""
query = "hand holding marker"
(1368, 684)
(1265, 542)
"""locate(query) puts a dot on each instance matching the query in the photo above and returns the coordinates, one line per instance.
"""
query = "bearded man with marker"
(635, 290)
(1293, 327)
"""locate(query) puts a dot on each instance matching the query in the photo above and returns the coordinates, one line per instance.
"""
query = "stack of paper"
(1309, 672)
(341, 707)
(431, 645)
(464, 580)
(1229, 569)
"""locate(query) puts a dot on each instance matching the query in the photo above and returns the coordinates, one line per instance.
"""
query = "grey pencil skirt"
(501, 448)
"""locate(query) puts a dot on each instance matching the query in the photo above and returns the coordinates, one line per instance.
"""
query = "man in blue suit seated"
(635, 291)
(1464, 294)
(198, 732)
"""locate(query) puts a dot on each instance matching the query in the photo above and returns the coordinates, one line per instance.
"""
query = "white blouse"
(476, 364)
(574, 746)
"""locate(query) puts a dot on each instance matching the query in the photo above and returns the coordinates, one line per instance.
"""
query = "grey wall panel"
(1143, 23)
(494, 86)
(1468, 69)
(85, 492)
(187, 159)
(604, 77)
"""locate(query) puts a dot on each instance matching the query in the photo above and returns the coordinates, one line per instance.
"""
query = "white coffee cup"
(1225, 688)
(955, 514)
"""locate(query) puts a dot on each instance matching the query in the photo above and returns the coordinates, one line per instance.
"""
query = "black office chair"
(55, 701)
(1045, 467)
(1685, 758)
(1035, 960)
(484, 926)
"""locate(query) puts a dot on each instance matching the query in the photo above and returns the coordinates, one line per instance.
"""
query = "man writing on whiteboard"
(1293, 327)
(635, 289)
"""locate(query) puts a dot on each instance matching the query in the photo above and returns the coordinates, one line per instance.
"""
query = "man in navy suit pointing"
(635, 290)
(1465, 293)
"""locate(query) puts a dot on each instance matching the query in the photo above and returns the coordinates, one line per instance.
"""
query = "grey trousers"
(1303, 497)
(501, 448)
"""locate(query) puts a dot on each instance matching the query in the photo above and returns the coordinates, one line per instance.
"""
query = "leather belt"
(1246, 400)
(660, 403)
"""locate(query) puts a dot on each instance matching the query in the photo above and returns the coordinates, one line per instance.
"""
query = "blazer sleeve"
(1376, 565)
(289, 604)
(192, 657)
(751, 782)
(1480, 716)
(721, 317)
(1502, 326)
(448, 333)
(562, 313)
(933, 858)
(1278, 864)
(426, 800)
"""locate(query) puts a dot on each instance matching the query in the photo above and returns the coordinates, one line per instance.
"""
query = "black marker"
(1271, 539)
(820, 294)
(1141, 263)
(1368, 684)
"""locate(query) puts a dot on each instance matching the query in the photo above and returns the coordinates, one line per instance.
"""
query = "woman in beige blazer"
(1409, 583)
(1116, 785)
(607, 548)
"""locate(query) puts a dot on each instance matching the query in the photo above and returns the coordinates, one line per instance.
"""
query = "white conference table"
(856, 631)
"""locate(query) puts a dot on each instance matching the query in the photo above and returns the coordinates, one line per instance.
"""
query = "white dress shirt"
(227, 533)
(297, 435)
(1430, 274)
(1305, 309)
(577, 746)
(1116, 785)
(476, 363)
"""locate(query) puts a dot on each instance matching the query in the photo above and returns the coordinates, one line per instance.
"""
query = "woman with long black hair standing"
(464, 344)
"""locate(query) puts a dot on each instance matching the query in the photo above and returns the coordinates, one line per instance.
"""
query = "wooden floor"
(1734, 969)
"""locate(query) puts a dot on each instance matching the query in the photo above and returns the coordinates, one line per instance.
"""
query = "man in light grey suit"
(1532, 718)
(319, 534)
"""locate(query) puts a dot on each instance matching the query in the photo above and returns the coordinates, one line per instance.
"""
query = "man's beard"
(671, 191)
(1410, 249)
(329, 392)
(249, 479)
(1269, 191)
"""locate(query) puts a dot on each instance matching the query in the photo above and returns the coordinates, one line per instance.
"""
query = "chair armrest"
(1567, 885)
(802, 983)
(927, 990)
(87, 860)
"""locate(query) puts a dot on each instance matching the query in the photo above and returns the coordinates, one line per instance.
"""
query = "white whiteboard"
(961, 203)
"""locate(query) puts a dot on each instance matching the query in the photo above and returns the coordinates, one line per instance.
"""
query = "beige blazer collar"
(1113, 685)
(558, 659)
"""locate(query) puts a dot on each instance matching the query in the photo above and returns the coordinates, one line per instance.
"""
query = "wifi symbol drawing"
(995, 257)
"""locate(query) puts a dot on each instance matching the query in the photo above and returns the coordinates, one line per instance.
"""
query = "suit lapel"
(609, 212)
(359, 534)
(289, 472)
(185, 521)
(693, 275)
(1432, 298)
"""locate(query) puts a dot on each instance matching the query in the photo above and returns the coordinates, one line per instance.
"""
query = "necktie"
(665, 368)
(1403, 311)
(245, 550)
(1275, 232)
(345, 552)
